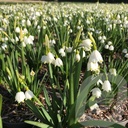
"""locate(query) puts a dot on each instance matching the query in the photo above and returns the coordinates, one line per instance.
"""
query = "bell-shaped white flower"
(17, 30)
(62, 52)
(28, 40)
(112, 71)
(58, 62)
(95, 106)
(106, 46)
(29, 95)
(111, 47)
(69, 49)
(20, 96)
(28, 22)
(125, 50)
(52, 42)
(126, 55)
(77, 57)
(95, 57)
(106, 86)
(99, 82)
(44, 59)
(86, 44)
(16, 39)
(109, 43)
(92, 66)
(96, 92)
(25, 31)
(4, 46)
(49, 58)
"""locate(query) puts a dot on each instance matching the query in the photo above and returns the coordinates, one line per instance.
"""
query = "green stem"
(71, 93)
(51, 74)
(1, 125)
(71, 82)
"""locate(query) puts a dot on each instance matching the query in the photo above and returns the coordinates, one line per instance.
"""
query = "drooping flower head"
(106, 86)
(58, 62)
(49, 58)
(96, 92)
(95, 57)
(93, 66)
(29, 95)
(20, 96)
(86, 44)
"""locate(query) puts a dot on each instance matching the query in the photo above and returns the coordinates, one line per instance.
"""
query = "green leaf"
(101, 123)
(83, 94)
(0, 104)
(46, 96)
(77, 74)
(1, 126)
(38, 124)
(35, 110)
(42, 115)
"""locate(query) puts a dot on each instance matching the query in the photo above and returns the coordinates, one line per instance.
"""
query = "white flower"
(95, 57)
(69, 49)
(125, 50)
(106, 46)
(100, 38)
(111, 48)
(16, 39)
(99, 82)
(126, 55)
(96, 92)
(32, 73)
(86, 44)
(25, 31)
(62, 52)
(52, 42)
(109, 42)
(28, 40)
(29, 95)
(95, 106)
(58, 62)
(104, 37)
(44, 59)
(17, 30)
(49, 58)
(102, 41)
(113, 71)
(20, 96)
(93, 66)
(23, 22)
(77, 57)
(84, 54)
(106, 86)
(4, 46)
(28, 23)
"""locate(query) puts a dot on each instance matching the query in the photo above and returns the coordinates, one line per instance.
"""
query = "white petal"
(106, 86)
(95, 57)
(20, 96)
(29, 94)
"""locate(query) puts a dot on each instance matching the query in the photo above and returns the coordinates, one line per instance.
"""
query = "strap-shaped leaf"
(0, 111)
(101, 123)
(42, 115)
(38, 124)
(0, 104)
